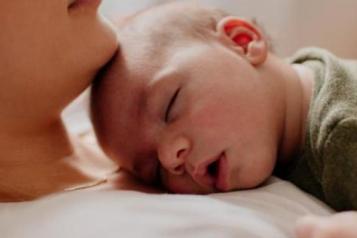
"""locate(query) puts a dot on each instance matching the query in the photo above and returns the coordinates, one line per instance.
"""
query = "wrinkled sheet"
(269, 211)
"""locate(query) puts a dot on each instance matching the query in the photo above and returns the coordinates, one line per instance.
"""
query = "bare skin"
(336, 226)
(45, 63)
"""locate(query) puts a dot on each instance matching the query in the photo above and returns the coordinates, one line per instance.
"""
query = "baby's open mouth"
(213, 169)
(213, 173)
(221, 181)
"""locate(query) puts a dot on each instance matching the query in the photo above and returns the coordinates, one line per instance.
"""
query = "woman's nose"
(173, 155)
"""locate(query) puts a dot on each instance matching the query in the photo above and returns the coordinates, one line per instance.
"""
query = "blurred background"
(291, 24)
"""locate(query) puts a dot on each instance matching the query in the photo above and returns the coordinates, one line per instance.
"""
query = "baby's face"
(202, 123)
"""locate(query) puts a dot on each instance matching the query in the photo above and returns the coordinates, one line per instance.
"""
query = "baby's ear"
(245, 38)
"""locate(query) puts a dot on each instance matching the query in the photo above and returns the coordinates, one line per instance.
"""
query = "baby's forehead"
(137, 66)
(126, 87)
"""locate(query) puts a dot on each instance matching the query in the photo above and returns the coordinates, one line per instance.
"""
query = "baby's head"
(190, 99)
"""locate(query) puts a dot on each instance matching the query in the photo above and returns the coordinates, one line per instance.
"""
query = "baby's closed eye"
(170, 106)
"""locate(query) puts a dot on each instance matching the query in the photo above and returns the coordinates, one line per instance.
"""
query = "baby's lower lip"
(223, 172)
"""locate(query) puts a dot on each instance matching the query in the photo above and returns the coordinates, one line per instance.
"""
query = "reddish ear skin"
(233, 23)
(243, 40)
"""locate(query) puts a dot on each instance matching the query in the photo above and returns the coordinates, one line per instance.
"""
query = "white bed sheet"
(268, 212)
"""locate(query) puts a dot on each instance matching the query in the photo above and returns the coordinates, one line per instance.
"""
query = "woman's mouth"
(73, 4)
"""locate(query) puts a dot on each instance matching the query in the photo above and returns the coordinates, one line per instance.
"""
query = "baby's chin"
(188, 189)
(184, 185)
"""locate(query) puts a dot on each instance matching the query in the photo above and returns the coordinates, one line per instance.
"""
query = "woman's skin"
(50, 52)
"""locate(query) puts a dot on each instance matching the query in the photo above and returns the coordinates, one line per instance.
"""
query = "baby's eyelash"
(171, 104)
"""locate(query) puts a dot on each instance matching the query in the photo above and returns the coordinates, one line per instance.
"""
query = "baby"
(196, 100)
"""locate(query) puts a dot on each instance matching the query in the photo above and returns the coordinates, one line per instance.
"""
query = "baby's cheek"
(210, 115)
(214, 124)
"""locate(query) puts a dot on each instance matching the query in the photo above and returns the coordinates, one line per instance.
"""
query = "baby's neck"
(306, 77)
(299, 87)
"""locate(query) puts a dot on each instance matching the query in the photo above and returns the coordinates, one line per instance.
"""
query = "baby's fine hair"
(175, 24)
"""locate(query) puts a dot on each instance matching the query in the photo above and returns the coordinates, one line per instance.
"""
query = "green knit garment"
(327, 165)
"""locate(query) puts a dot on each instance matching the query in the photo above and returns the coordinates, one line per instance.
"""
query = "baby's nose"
(173, 157)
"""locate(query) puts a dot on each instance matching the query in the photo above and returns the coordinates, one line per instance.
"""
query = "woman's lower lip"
(85, 3)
